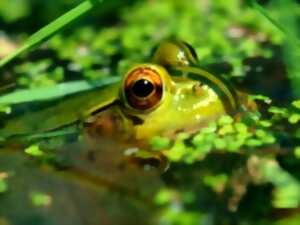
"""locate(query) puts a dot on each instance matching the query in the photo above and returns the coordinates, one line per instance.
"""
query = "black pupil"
(142, 88)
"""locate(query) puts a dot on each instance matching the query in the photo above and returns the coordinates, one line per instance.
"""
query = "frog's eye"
(143, 88)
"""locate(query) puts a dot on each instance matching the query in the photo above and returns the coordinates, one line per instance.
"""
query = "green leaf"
(263, 98)
(279, 111)
(296, 104)
(34, 150)
(290, 36)
(3, 186)
(297, 152)
(59, 90)
(225, 120)
(294, 118)
(3, 182)
(164, 196)
(52, 28)
(160, 143)
(226, 129)
(40, 199)
(216, 182)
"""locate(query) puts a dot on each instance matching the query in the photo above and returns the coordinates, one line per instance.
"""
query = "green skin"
(190, 99)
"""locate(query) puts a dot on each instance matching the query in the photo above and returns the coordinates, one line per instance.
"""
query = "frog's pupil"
(142, 88)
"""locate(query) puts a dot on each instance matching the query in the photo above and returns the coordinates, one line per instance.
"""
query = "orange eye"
(143, 88)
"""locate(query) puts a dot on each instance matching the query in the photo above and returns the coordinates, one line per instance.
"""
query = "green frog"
(170, 94)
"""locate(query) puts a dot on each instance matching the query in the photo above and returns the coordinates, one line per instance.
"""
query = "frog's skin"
(163, 97)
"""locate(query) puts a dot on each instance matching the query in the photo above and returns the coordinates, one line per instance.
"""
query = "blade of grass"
(289, 34)
(288, 25)
(45, 93)
(52, 28)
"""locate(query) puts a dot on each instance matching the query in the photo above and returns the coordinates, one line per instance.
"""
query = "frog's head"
(144, 87)
(170, 94)
(165, 104)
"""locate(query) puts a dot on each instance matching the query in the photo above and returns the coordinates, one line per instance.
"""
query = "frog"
(168, 95)
(163, 97)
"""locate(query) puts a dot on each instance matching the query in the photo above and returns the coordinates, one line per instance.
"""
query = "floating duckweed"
(265, 123)
(241, 127)
(39, 74)
(260, 133)
(5, 109)
(286, 193)
(251, 118)
(296, 104)
(160, 143)
(269, 139)
(297, 152)
(297, 133)
(224, 135)
(263, 98)
(253, 142)
(34, 150)
(226, 129)
(177, 152)
(294, 118)
(278, 111)
(225, 120)
(3, 182)
(216, 182)
(182, 136)
(3, 186)
(164, 196)
(211, 128)
(287, 196)
(233, 144)
(204, 142)
(220, 143)
(40, 199)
